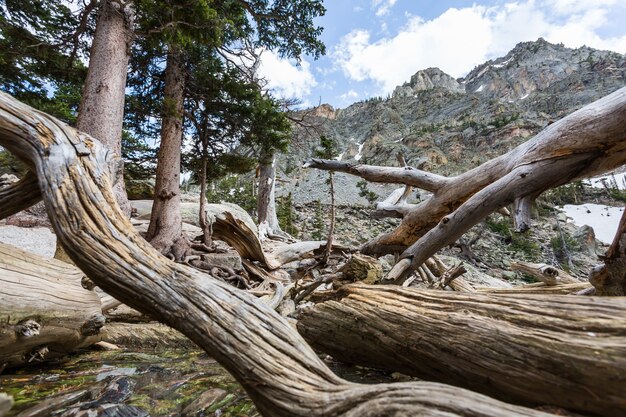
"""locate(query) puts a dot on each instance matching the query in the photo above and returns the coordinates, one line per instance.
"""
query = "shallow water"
(162, 383)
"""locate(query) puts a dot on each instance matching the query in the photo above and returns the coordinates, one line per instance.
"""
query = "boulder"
(586, 237)
(363, 268)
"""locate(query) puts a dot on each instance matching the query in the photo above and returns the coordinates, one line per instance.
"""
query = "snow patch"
(524, 96)
(503, 63)
(340, 156)
(482, 86)
(603, 219)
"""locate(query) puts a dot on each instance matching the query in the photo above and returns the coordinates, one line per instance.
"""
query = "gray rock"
(586, 237)
(38, 240)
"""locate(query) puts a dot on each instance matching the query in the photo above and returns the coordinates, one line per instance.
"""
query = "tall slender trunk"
(266, 201)
(331, 228)
(102, 106)
(165, 229)
(207, 233)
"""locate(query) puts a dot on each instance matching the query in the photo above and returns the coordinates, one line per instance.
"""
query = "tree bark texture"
(585, 143)
(278, 369)
(45, 313)
(101, 111)
(165, 230)
(566, 351)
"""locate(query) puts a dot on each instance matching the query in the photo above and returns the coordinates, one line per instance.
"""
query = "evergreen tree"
(170, 30)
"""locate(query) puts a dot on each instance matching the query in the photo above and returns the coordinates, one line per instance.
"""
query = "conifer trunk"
(101, 111)
(165, 230)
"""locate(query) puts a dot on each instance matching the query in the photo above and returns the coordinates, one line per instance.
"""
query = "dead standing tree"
(280, 372)
(589, 141)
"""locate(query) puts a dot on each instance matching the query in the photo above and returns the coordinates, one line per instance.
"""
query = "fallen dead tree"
(566, 351)
(589, 141)
(280, 372)
(45, 313)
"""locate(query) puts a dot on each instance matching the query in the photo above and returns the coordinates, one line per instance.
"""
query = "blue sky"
(374, 45)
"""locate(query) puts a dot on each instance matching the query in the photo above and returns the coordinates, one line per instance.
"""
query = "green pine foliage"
(39, 43)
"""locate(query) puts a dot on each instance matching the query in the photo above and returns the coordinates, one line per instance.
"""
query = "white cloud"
(350, 95)
(566, 7)
(286, 78)
(383, 7)
(459, 39)
(442, 42)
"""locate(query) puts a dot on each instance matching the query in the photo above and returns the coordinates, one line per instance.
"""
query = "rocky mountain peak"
(325, 111)
(428, 79)
(536, 66)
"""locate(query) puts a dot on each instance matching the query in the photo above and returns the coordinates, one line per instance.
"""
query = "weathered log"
(280, 372)
(538, 288)
(460, 284)
(565, 351)
(587, 142)
(44, 311)
(547, 274)
(145, 335)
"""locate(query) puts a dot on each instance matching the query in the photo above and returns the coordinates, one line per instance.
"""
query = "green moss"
(521, 243)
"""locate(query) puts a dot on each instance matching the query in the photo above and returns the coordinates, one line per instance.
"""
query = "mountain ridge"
(453, 124)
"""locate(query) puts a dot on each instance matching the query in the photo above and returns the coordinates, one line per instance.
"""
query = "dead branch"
(587, 142)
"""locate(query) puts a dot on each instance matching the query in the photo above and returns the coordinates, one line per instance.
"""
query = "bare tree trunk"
(165, 232)
(207, 232)
(565, 351)
(45, 313)
(101, 111)
(585, 143)
(331, 228)
(266, 200)
(281, 373)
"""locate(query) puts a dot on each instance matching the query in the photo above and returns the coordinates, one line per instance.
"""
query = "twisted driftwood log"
(278, 369)
(589, 141)
(566, 351)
